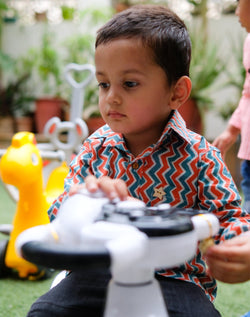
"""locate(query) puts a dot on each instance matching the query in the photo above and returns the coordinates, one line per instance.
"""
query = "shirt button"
(135, 165)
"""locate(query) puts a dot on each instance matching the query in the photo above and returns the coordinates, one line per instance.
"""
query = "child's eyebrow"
(123, 72)
(133, 70)
(99, 73)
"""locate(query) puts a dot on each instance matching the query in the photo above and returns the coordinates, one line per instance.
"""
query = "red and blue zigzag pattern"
(186, 170)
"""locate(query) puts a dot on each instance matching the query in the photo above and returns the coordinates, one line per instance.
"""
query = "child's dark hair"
(159, 29)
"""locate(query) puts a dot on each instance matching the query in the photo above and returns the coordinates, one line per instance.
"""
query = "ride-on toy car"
(125, 236)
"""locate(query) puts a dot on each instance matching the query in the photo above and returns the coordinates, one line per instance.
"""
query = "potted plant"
(68, 13)
(23, 109)
(121, 5)
(10, 15)
(91, 113)
(15, 102)
(6, 109)
(235, 78)
(13, 93)
(40, 16)
(203, 78)
(3, 8)
(5, 60)
(80, 50)
(45, 66)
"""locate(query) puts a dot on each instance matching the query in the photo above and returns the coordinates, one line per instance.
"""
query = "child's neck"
(135, 149)
(138, 143)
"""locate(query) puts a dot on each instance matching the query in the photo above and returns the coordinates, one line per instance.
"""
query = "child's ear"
(181, 92)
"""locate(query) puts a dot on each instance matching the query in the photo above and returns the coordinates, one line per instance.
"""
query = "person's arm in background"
(226, 139)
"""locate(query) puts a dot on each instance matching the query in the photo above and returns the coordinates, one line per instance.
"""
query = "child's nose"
(113, 96)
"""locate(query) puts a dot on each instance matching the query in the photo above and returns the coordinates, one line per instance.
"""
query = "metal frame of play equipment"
(126, 237)
(57, 152)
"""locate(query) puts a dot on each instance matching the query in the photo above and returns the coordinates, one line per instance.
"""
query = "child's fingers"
(74, 189)
(236, 249)
(121, 189)
(91, 183)
(230, 261)
(113, 188)
(228, 272)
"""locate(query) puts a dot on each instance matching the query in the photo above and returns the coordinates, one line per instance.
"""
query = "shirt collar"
(175, 124)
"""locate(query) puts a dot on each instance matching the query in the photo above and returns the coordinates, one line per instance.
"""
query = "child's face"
(134, 96)
(243, 12)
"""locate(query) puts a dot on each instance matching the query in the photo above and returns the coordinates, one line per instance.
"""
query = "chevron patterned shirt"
(181, 169)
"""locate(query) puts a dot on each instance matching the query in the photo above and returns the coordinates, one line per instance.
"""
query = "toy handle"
(79, 68)
(206, 225)
(102, 245)
(61, 257)
(78, 87)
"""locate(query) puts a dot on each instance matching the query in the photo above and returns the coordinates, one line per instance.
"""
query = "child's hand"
(113, 188)
(229, 261)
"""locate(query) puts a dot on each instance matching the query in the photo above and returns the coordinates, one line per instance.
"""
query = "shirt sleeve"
(238, 114)
(79, 168)
(235, 119)
(218, 194)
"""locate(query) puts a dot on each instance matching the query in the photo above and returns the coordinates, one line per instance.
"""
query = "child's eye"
(130, 84)
(103, 85)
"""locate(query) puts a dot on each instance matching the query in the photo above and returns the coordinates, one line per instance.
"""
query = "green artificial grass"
(233, 299)
(16, 295)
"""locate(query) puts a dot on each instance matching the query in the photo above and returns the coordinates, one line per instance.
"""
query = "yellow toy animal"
(22, 166)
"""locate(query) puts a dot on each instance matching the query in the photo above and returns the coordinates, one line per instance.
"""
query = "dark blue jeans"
(245, 184)
(83, 295)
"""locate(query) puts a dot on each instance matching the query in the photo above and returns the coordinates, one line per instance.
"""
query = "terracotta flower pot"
(191, 114)
(119, 7)
(94, 123)
(24, 124)
(41, 16)
(46, 108)
(7, 125)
